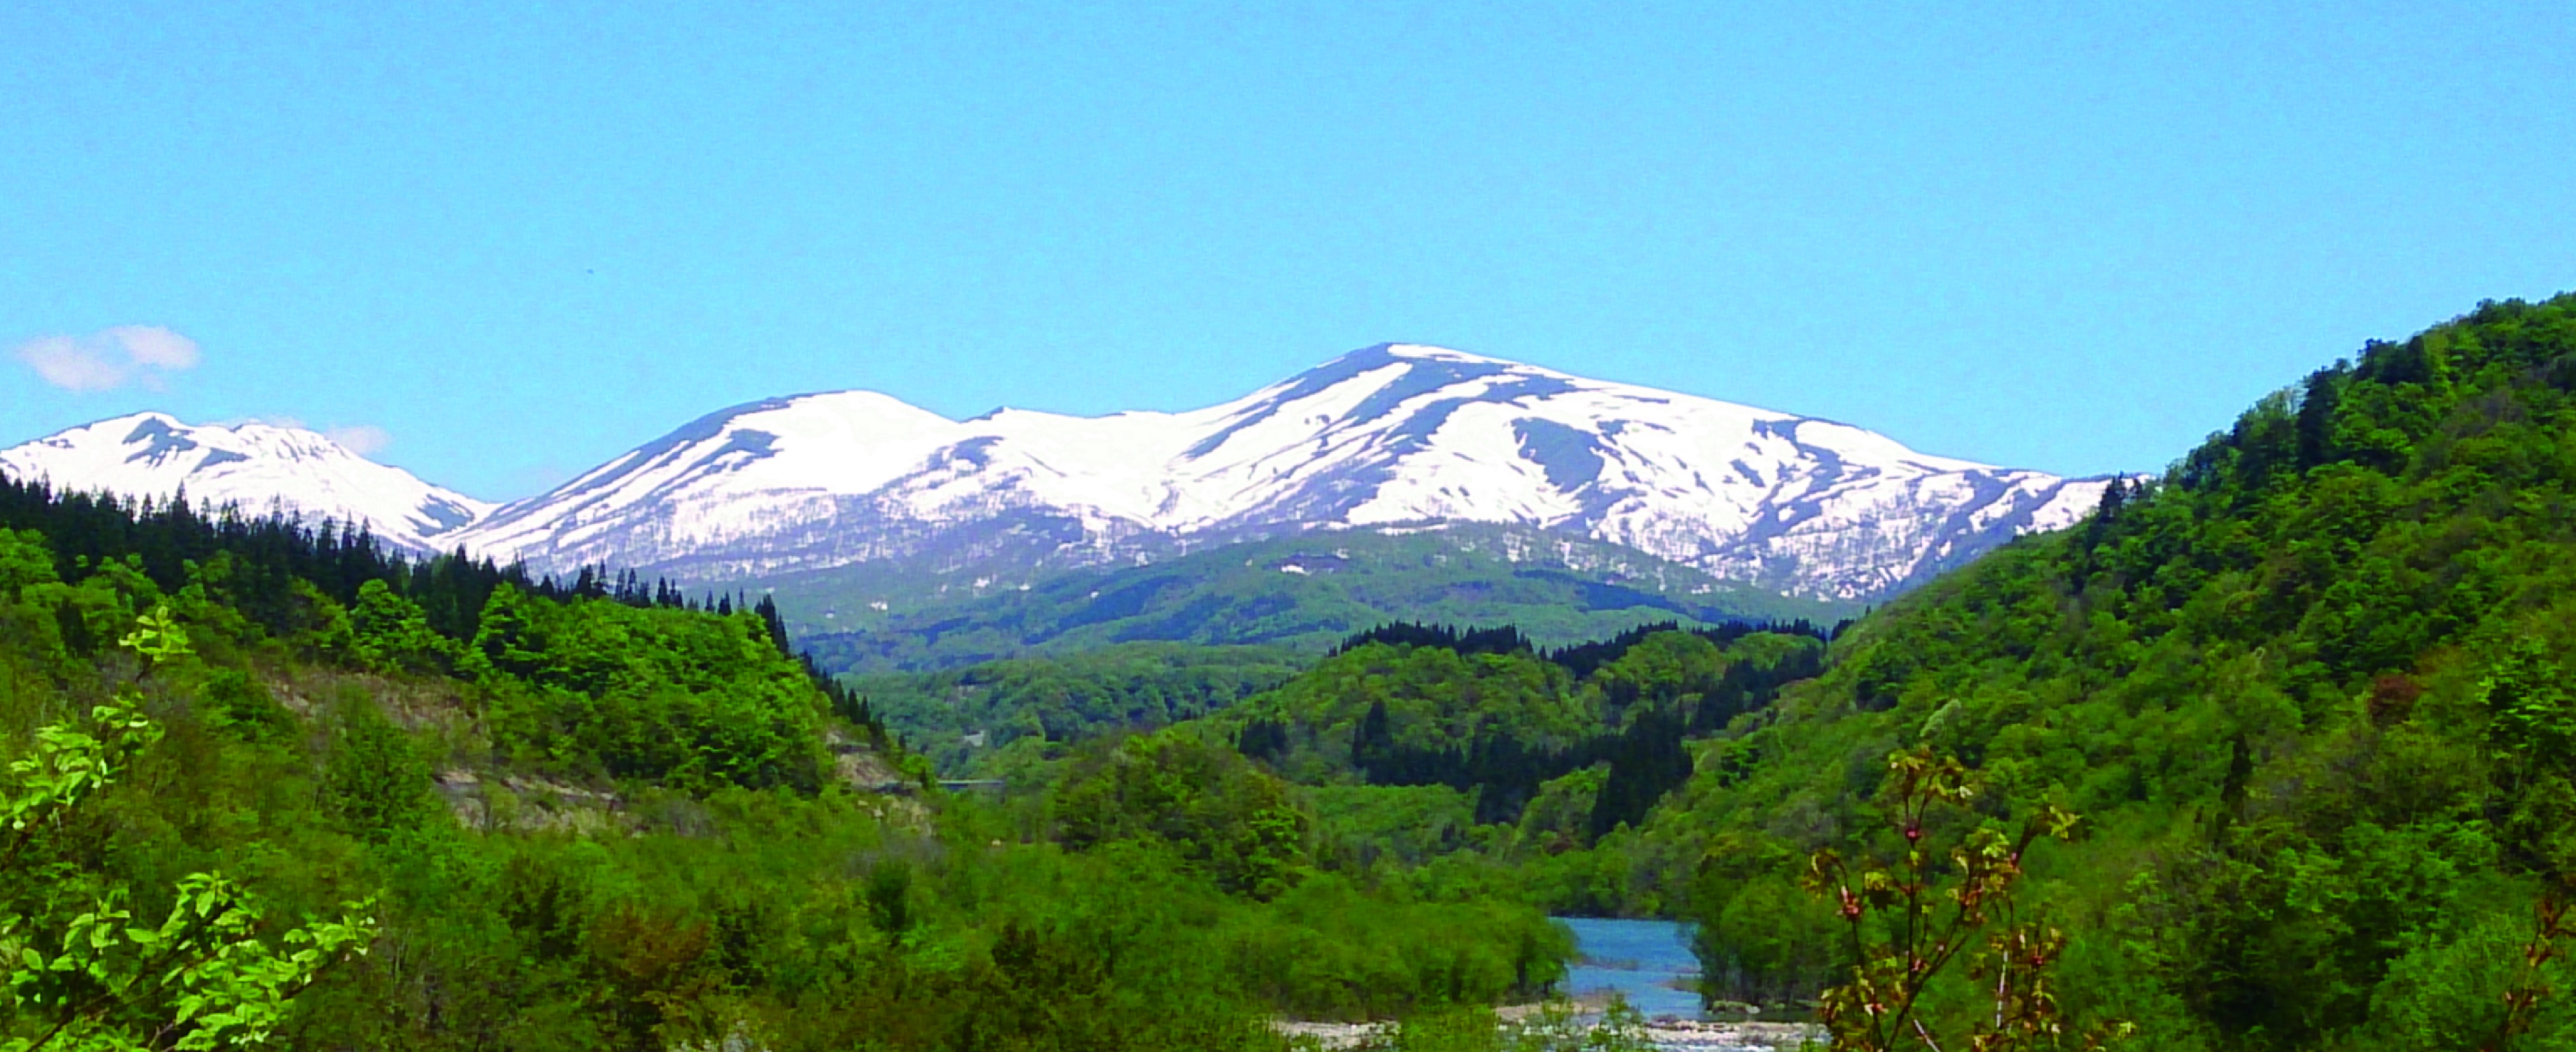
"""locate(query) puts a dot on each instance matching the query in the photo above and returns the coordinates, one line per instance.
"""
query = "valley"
(1321, 527)
(2269, 752)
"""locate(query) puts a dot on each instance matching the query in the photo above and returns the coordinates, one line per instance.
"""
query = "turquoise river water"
(1648, 961)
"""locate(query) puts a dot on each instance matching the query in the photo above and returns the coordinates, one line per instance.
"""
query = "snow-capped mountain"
(1392, 436)
(258, 467)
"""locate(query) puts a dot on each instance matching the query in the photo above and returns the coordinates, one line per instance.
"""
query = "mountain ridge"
(1392, 435)
(1388, 435)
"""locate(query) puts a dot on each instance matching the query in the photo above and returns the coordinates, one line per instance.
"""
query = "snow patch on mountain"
(1388, 436)
(258, 467)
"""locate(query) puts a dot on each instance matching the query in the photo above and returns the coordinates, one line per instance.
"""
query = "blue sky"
(516, 240)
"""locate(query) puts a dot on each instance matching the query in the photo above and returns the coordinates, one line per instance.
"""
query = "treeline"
(1016, 718)
(1582, 659)
(260, 560)
(1504, 639)
(282, 574)
(1478, 711)
(267, 553)
(1644, 759)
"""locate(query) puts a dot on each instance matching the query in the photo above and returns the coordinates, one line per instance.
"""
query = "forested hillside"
(2309, 693)
(998, 719)
(269, 783)
(1457, 762)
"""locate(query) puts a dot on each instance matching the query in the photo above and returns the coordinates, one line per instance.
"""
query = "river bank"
(1645, 964)
(1665, 1035)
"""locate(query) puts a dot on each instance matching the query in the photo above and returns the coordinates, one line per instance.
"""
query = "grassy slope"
(1558, 589)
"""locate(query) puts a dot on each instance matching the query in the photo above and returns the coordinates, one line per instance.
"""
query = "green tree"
(1221, 812)
(376, 781)
(390, 633)
(77, 973)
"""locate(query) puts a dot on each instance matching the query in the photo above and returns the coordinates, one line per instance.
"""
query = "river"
(1647, 961)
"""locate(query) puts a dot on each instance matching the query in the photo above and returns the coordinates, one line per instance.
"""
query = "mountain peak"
(257, 466)
(1434, 352)
(1382, 355)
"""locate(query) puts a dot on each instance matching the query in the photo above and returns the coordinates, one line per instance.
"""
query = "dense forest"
(2308, 694)
(269, 783)
(1010, 718)
(1432, 761)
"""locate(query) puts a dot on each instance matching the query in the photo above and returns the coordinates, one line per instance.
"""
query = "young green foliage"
(1910, 920)
(203, 978)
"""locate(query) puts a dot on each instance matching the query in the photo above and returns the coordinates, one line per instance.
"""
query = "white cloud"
(74, 365)
(361, 439)
(155, 347)
(110, 358)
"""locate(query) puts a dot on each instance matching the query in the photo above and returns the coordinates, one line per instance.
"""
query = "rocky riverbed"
(1671, 1035)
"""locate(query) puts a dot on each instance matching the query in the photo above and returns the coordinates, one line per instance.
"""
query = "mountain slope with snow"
(1388, 436)
(257, 467)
